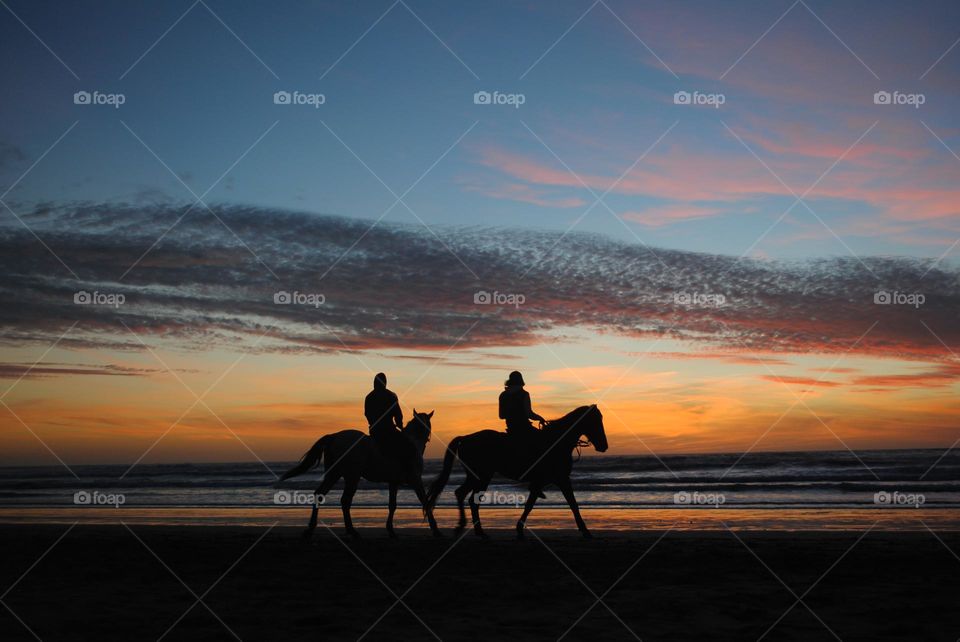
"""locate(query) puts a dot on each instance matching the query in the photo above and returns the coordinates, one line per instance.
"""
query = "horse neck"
(418, 436)
(568, 430)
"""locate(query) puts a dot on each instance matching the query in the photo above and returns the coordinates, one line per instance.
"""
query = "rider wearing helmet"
(516, 410)
(515, 407)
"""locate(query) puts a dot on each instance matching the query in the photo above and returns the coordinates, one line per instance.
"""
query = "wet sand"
(106, 582)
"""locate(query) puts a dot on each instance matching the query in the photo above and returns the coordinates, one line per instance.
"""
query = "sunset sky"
(706, 274)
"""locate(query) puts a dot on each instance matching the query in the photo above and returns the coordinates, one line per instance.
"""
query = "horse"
(353, 454)
(487, 452)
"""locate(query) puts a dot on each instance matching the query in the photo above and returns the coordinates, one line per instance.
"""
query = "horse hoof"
(306, 535)
(393, 535)
(587, 535)
(437, 533)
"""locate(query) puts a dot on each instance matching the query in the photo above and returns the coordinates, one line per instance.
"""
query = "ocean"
(891, 485)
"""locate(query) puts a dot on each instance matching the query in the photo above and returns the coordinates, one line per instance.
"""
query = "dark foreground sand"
(100, 582)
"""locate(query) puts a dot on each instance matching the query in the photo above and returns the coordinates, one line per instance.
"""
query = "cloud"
(13, 370)
(208, 283)
(11, 155)
(803, 381)
(943, 375)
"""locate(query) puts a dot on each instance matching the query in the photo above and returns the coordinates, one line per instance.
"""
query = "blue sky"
(596, 97)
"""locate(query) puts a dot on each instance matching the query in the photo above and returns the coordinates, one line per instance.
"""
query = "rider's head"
(380, 380)
(515, 379)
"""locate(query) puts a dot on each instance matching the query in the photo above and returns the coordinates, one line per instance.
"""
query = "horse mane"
(565, 422)
(415, 429)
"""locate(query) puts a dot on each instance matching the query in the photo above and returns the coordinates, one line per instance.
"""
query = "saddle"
(524, 451)
(380, 460)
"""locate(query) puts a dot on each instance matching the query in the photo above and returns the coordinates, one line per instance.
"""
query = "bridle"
(582, 442)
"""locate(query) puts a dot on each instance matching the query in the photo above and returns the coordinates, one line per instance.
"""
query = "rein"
(581, 443)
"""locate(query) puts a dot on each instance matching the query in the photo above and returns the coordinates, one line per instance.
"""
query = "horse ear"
(414, 411)
(431, 414)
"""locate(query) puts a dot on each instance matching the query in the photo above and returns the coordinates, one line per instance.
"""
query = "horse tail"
(437, 486)
(309, 460)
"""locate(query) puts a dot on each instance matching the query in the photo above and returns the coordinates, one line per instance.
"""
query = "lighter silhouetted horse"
(488, 452)
(353, 454)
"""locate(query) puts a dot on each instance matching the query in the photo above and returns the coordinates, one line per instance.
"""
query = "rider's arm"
(367, 410)
(397, 413)
(530, 413)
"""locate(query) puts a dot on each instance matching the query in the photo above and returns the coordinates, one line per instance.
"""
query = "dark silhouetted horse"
(548, 461)
(353, 454)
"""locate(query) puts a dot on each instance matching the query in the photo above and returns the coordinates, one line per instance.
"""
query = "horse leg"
(349, 489)
(391, 509)
(567, 489)
(330, 478)
(422, 496)
(461, 494)
(532, 496)
(481, 487)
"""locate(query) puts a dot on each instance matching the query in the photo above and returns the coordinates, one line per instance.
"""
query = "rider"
(516, 410)
(385, 418)
(515, 407)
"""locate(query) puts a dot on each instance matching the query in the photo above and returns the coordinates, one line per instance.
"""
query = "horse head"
(593, 430)
(419, 427)
(583, 422)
